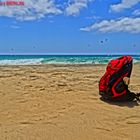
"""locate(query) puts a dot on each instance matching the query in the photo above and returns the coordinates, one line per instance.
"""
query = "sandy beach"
(61, 102)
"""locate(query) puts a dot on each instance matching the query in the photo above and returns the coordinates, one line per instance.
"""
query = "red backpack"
(111, 84)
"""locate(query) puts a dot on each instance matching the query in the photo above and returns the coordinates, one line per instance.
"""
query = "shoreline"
(59, 60)
(54, 64)
(61, 65)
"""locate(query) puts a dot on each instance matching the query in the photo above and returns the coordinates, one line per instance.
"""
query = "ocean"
(59, 59)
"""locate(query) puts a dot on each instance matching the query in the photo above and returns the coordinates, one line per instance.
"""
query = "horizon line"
(69, 54)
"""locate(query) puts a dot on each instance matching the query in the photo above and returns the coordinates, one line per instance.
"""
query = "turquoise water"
(58, 59)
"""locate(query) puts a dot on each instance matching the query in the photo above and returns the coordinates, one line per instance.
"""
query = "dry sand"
(57, 102)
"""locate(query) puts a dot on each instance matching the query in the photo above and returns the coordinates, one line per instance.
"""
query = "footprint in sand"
(133, 120)
(25, 123)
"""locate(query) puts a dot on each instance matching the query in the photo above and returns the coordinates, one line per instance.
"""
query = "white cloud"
(14, 27)
(136, 12)
(93, 17)
(32, 10)
(131, 25)
(75, 6)
(124, 5)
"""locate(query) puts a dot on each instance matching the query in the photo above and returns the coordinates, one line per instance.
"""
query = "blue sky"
(71, 27)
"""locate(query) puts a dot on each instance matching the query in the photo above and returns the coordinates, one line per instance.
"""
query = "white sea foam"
(29, 60)
(21, 62)
(136, 61)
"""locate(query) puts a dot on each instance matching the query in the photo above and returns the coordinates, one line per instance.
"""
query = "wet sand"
(61, 102)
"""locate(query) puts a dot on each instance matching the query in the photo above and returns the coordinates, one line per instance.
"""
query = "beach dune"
(61, 102)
